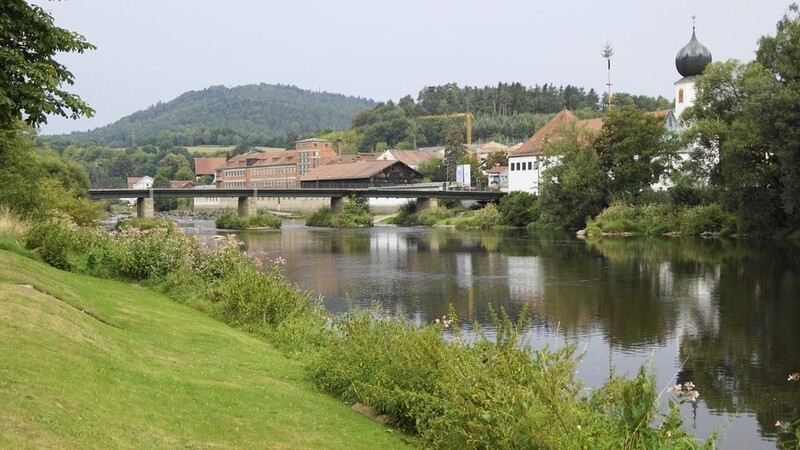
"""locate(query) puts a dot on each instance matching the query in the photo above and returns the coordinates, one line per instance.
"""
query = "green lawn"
(90, 363)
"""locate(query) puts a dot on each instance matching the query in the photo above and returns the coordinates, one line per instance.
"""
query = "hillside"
(219, 115)
(94, 363)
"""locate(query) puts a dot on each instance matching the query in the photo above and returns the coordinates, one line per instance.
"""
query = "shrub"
(408, 215)
(710, 218)
(491, 394)
(150, 253)
(322, 217)
(230, 220)
(518, 208)
(52, 239)
(355, 214)
(144, 223)
(486, 218)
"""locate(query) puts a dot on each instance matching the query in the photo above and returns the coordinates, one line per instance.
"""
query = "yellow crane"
(466, 115)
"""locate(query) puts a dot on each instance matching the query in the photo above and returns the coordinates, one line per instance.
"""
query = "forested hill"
(261, 114)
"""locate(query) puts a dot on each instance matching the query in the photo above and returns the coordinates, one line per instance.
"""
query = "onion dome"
(692, 58)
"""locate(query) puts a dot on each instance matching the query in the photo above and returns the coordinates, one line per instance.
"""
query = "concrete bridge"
(426, 196)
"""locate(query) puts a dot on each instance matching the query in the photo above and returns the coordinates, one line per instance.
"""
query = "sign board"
(463, 175)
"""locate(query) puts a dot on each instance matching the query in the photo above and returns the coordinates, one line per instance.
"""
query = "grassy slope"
(89, 363)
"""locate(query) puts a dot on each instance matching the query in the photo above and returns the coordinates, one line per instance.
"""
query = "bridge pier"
(427, 203)
(145, 207)
(247, 206)
(337, 204)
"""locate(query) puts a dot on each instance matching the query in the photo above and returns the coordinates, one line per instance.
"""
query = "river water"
(724, 314)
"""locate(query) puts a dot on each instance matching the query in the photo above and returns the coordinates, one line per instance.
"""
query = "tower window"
(680, 95)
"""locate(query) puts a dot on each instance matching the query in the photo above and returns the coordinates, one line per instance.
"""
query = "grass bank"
(91, 363)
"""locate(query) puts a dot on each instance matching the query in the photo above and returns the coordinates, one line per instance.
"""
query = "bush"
(322, 217)
(518, 209)
(230, 220)
(52, 239)
(355, 214)
(408, 215)
(651, 218)
(487, 218)
(711, 218)
(492, 394)
(144, 223)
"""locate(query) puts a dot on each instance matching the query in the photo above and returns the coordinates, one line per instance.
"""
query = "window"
(680, 95)
(530, 165)
(536, 164)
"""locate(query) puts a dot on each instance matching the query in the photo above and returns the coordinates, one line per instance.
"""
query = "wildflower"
(686, 390)
(780, 424)
(794, 377)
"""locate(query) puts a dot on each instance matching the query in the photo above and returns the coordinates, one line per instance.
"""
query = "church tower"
(690, 61)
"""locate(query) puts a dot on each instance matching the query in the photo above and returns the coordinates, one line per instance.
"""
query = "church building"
(527, 163)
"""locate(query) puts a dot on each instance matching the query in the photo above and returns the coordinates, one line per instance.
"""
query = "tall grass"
(12, 225)
(494, 393)
(12, 231)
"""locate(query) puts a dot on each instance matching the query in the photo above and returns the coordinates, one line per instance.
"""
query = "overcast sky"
(154, 50)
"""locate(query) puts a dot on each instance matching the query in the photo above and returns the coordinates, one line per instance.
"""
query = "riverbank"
(98, 364)
(440, 391)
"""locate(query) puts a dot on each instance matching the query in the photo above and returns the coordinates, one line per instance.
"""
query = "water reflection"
(722, 313)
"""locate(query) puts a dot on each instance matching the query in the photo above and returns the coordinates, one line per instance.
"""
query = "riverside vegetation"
(440, 390)
(230, 220)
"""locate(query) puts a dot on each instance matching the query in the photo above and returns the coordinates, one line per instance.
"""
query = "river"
(724, 314)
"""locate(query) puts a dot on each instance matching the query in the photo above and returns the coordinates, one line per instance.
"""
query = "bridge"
(426, 196)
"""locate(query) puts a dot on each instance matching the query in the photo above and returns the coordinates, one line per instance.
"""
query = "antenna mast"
(607, 53)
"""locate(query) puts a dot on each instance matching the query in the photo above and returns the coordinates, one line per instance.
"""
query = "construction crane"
(466, 115)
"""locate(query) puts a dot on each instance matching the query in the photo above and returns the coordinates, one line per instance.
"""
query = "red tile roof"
(181, 184)
(497, 169)
(207, 166)
(535, 145)
(413, 158)
(348, 171)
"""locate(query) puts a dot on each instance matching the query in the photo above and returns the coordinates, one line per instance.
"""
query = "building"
(362, 174)
(483, 152)
(526, 162)
(412, 158)
(280, 169)
(498, 176)
(145, 182)
(690, 61)
(207, 166)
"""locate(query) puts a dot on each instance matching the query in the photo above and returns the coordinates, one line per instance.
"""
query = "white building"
(526, 164)
(145, 182)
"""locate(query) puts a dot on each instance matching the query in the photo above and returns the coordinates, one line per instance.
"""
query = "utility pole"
(607, 53)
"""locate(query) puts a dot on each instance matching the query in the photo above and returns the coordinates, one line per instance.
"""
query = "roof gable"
(350, 171)
(207, 166)
(535, 145)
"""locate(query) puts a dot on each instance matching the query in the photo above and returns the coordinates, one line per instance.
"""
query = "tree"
(737, 143)
(163, 204)
(432, 169)
(518, 208)
(31, 79)
(496, 159)
(573, 185)
(635, 150)
(170, 164)
(454, 150)
(779, 119)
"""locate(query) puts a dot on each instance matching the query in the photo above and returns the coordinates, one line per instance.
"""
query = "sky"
(154, 50)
